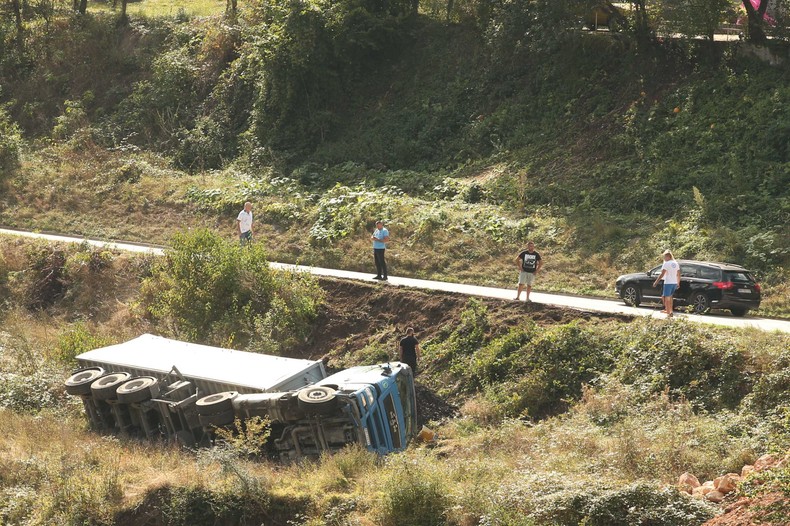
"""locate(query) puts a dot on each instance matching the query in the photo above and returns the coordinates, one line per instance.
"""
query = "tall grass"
(164, 8)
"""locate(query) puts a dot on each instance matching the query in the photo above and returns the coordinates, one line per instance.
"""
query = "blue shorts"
(669, 289)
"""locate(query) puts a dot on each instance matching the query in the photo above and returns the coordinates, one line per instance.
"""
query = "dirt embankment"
(357, 314)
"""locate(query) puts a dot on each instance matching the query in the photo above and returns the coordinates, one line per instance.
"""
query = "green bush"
(209, 289)
(772, 389)
(75, 340)
(686, 359)
(551, 500)
(32, 393)
(10, 144)
(415, 495)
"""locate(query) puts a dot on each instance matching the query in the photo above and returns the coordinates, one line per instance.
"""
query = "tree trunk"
(83, 7)
(230, 8)
(16, 7)
(450, 6)
(641, 24)
(754, 24)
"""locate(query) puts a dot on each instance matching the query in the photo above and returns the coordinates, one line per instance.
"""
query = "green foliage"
(343, 211)
(201, 506)
(550, 500)
(159, 108)
(414, 495)
(768, 481)
(10, 144)
(707, 370)
(4, 276)
(525, 372)
(772, 390)
(31, 393)
(75, 340)
(207, 289)
(551, 370)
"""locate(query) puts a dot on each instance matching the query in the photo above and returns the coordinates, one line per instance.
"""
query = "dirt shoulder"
(357, 313)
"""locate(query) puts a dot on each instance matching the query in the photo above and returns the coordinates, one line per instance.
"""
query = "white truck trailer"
(166, 389)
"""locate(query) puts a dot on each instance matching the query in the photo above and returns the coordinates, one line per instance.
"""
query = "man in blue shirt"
(380, 238)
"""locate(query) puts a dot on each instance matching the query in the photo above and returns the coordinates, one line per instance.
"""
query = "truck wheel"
(216, 403)
(319, 399)
(104, 388)
(136, 389)
(218, 419)
(80, 382)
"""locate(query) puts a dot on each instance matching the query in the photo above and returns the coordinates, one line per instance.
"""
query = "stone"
(724, 484)
(699, 492)
(745, 470)
(766, 462)
(687, 482)
(714, 496)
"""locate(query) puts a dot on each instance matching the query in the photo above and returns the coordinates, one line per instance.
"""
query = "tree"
(755, 18)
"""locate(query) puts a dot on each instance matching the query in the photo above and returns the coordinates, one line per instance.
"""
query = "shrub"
(772, 389)
(44, 278)
(10, 144)
(688, 360)
(208, 289)
(551, 500)
(75, 340)
(550, 370)
(31, 393)
(416, 495)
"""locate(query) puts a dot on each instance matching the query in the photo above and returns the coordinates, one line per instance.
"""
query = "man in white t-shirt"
(670, 273)
(244, 222)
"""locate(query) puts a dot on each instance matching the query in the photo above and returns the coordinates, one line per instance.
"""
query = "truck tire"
(318, 399)
(105, 387)
(218, 419)
(136, 390)
(80, 382)
(218, 403)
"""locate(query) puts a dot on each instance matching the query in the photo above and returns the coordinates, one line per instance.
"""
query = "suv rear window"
(710, 273)
(738, 277)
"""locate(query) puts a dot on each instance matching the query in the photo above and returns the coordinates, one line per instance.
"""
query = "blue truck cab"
(384, 404)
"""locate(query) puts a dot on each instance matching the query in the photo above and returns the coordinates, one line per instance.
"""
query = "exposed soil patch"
(746, 512)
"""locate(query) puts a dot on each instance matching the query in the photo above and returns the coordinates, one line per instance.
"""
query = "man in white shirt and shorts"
(244, 222)
(670, 273)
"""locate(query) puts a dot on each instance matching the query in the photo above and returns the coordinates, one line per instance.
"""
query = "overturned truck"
(163, 389)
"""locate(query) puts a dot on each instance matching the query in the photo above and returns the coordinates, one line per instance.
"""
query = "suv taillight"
(724, 285)
(757, 287)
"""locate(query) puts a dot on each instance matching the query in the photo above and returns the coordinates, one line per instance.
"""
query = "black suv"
(703, 286)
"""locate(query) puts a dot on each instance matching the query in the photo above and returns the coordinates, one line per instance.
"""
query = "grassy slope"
(556, 151)
(607, 456)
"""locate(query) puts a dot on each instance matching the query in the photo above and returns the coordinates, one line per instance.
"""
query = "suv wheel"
(700, 304)
(631, 295)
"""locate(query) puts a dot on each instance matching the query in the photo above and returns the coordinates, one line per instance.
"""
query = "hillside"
(469, 135)
(603, 153)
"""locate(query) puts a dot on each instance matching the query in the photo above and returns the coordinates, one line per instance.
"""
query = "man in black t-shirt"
(529, 264)
(409, 350)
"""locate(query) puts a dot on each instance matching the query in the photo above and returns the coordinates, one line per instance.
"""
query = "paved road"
(559, 300)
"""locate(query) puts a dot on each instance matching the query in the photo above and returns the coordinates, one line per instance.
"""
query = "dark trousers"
(381, 265)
